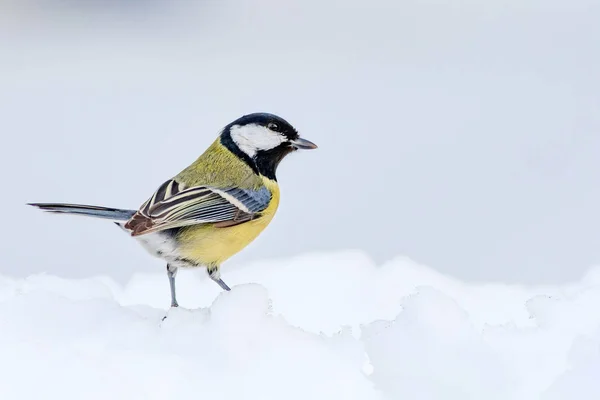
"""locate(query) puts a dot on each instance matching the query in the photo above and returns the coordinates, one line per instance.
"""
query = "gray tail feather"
(113, 214)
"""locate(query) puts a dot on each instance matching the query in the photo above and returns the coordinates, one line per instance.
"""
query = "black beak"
(303, 144)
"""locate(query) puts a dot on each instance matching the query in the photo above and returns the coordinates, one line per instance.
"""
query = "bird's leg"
(215, 275)
(171, 273)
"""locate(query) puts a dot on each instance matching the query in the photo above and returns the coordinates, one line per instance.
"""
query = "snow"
(318, 326)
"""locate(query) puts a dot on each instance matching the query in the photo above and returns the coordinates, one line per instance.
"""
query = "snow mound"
(322, 326)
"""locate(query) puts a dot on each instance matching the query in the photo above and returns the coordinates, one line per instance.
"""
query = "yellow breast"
(208, 245)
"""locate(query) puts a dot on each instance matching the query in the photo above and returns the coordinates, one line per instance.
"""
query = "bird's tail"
(113, 214)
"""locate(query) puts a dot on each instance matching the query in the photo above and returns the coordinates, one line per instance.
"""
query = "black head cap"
(280, 138)
(271, 121)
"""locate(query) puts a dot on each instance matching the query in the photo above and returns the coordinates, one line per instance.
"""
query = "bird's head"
(262, 140)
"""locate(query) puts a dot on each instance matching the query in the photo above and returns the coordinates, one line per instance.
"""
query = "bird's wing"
(174, 205)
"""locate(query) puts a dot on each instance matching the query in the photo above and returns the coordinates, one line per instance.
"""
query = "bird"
(216, 206)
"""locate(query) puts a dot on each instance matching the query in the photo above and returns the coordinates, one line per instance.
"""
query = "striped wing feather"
(173, 205)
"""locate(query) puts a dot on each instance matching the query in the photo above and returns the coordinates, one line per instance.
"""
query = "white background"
(464, 136)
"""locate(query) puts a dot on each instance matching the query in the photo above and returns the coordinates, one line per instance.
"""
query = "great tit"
(216, 206)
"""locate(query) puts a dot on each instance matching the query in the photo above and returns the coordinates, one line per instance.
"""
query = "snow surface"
(319, 326)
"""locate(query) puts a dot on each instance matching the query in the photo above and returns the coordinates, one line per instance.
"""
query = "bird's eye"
(273, 126)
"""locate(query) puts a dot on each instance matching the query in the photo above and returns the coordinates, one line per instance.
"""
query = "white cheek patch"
(252, 138)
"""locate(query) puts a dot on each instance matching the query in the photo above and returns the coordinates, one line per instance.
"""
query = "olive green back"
(219, 167)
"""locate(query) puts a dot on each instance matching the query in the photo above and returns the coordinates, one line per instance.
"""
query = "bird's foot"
(173, 305)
